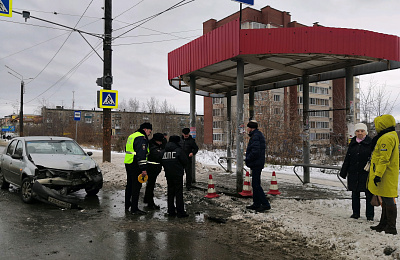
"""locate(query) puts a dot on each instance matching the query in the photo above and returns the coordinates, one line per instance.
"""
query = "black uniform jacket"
(155, 156)
(174, 160)
(189, 146)
(356, 158)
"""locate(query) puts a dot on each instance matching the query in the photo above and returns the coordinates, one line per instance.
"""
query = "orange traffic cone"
(273, 189)
(246, 186)
(211, 189)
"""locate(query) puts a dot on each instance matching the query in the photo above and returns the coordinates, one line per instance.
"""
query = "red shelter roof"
(278, 57)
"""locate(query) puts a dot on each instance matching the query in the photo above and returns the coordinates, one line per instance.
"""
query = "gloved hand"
(376, 180)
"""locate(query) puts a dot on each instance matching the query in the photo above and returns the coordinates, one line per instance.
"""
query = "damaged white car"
(48, 168)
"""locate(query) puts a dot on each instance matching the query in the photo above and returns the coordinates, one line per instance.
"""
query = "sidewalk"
(288, 184)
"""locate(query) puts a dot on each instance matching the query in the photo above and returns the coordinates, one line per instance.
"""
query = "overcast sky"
(59, 63)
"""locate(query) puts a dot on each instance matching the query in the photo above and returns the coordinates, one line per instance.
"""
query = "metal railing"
(336, 168)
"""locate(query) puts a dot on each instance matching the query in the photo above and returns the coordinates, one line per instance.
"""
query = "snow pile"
(321, 222)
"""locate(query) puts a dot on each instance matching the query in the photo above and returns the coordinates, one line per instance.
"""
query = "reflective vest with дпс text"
(130, 152)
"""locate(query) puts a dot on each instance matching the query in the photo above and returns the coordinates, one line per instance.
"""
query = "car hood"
(64, 162)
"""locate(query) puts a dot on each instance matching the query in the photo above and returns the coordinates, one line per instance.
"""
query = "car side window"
(19, 149)
(11, 147)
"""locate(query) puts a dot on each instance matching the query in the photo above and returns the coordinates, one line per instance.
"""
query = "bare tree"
(376, 100)
(133, 105)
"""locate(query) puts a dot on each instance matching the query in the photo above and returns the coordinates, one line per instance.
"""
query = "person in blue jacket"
(255, 160)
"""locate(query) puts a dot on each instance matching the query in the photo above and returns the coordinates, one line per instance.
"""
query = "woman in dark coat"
(357, 156)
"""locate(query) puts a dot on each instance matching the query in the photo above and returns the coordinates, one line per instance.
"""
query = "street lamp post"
(21, 110)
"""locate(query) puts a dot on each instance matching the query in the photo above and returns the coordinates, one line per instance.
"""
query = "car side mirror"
(16, 156)
(89, 153)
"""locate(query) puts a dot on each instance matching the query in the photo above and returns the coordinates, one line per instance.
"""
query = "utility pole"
(107, 52)
(21, 110)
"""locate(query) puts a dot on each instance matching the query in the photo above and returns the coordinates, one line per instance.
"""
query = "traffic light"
(108, 79)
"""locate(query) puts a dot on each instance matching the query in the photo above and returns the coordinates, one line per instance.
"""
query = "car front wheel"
(26, 190)
(4, 185)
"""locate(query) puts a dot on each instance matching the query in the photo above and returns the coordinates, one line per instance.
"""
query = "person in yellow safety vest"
(137, 149)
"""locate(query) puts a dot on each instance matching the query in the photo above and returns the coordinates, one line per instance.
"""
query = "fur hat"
(186, 131)
(158, 137)
(146, 125)
(252, 124)
(360, 126)
(174, 139)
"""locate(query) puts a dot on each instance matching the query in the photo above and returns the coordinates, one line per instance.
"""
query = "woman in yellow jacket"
(384, 171)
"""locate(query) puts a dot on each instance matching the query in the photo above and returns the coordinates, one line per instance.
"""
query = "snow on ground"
(323, 222)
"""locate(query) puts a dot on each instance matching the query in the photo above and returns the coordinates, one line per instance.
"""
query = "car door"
(16, 164)
(6, 160)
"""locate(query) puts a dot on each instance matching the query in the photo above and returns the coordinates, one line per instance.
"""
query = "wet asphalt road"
(101, 230)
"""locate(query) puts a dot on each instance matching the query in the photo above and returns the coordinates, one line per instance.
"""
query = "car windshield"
(54, 147)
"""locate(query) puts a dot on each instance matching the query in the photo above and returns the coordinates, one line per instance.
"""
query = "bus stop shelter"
(230, 61)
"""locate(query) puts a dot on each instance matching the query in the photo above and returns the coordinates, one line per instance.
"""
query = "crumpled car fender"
(47, 195)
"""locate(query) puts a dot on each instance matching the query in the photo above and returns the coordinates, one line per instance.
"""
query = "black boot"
(382, 223)
(391, 214)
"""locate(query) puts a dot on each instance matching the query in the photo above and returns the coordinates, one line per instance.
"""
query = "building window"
(277, 98)
(217, 124)
(217, 100)
(300, 100)
(300, 88)
(217, 137)
(277, 111)
(216, 112)
(319, 125)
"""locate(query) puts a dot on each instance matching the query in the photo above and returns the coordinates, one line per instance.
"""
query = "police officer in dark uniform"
(156, 146)
(189, 148)
(174, 160)
(137, 149)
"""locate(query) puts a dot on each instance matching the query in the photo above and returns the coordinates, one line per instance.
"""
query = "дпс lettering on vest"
(169, 155)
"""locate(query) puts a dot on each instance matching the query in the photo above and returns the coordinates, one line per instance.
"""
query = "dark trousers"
(355, 203)
(259, 197)
(133, 186)
(188, 171)
(175, 192)
(151, 183)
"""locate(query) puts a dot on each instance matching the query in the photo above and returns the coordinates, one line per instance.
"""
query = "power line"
(143, 21)
(153, 34)
(43, 41)
(128, 9)
(62, 45)
(73, 69)
(137, 43)
(58, 13)
(35, 25)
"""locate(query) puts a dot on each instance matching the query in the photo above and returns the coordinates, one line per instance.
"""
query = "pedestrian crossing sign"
(6, 8)
(107, 98)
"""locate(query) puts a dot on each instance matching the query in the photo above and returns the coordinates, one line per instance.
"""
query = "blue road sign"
(108, 98)
(6, 8)
(248, 2)
(77, 115)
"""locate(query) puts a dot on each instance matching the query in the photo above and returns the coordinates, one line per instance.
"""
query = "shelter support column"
(306, 128)
(240, 130)
(193, 120)
(251, 103)
(349, 94)
(229, 128)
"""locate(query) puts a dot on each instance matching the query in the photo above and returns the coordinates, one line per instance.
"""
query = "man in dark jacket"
(136, 152)
(189, 148)
(357, 156)
(255, 160)
(154, 167)
(174, 160)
